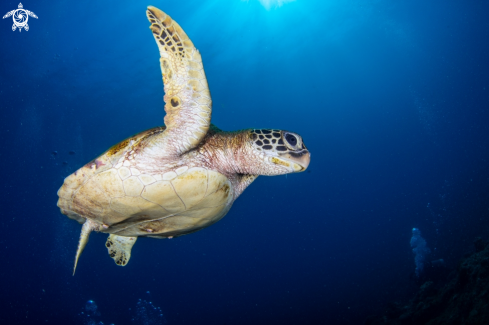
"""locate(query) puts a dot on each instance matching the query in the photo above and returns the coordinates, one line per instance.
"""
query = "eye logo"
(20, 17)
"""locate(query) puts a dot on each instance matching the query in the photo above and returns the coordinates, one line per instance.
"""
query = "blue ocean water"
(391, 98)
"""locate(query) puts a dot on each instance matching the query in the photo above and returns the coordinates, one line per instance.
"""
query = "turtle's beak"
(296, 161)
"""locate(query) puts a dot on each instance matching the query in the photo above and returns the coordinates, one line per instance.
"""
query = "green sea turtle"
(176, 179)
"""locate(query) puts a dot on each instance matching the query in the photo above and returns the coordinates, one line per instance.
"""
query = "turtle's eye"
(291, 139)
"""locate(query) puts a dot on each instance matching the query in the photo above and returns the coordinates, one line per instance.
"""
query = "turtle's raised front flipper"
(187, 97)
(87, 228)
(119, 248)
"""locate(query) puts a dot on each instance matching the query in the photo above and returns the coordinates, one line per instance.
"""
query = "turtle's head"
(281, 152)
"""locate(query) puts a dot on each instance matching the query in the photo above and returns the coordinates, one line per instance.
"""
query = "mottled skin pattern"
(176, 179)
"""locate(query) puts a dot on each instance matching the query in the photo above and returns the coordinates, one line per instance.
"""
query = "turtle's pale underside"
(176, 179)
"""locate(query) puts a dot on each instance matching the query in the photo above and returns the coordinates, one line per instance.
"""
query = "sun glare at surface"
(268, 4)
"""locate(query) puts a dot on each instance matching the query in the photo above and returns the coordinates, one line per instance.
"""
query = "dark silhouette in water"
(463, 300)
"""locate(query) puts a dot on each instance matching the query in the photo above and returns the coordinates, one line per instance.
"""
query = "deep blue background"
(391, 98)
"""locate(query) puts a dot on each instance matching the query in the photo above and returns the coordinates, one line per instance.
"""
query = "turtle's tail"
(87, 228)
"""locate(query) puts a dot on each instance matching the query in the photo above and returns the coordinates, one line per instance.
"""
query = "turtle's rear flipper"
(119, 248)
(87, 228)
(26, 27)
(14, 28)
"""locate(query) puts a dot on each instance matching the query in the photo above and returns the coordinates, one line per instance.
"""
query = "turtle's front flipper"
(119, 248)
(188, 100)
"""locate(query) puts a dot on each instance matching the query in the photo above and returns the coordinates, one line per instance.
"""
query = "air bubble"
(91, 306)
(148, 314)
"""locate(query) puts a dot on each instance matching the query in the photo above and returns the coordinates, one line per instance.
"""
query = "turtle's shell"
(127, 202)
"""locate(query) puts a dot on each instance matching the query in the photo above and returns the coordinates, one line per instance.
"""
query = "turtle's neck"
(230, 153)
